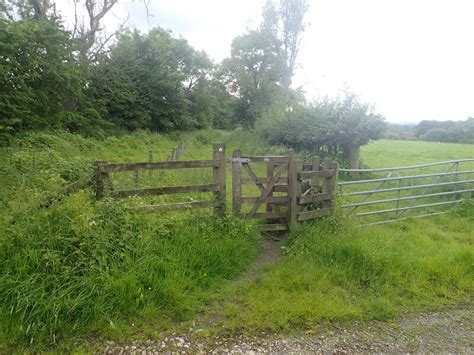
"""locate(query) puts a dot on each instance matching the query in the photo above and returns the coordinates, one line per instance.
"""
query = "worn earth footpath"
(447, 330)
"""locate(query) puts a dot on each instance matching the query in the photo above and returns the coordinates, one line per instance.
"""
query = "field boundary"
(292, 192)
(105, 188)
(459, 182)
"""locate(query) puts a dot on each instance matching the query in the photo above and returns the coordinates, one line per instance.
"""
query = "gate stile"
(276, 166)
(305, 198)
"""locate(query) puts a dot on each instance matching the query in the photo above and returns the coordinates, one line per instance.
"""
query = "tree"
(330, 127)
(40, 81)
(292, 14)
(262, 61)
(151, 80)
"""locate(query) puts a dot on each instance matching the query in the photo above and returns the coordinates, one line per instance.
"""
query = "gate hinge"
(239, 160)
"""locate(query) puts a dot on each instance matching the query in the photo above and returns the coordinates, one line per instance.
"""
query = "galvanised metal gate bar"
(461, 180)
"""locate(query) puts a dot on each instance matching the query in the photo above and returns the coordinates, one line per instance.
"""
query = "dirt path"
(447, 331)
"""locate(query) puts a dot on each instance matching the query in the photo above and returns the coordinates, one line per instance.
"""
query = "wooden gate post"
(328, 183)
(219, 178)
(101, 179)
(270, 168)
(236, 183)
(292, 190)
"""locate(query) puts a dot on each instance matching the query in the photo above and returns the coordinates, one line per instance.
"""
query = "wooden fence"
(104, 186)
(290, 193)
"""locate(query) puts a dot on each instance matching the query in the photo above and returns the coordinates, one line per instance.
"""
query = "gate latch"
(239, 160)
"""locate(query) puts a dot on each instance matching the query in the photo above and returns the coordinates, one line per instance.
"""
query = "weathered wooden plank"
(270, 169)
(306, 175)
(179, 206)
(327, 183)
(268, 189)
(166, 190)
(268, 215)
(292, 189)
(253, 176)
(109, 168)
(303, 216)
(272, 227)
(236, 183)
(219, 178)
(275, 200)
(264, 159)
(303, 200)
(250, 181)
(280, 188)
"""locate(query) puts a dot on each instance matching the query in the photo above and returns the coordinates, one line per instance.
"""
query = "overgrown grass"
(334, 271)
(76, 267)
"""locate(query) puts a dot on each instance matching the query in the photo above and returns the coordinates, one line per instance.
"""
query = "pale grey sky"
(411, 59)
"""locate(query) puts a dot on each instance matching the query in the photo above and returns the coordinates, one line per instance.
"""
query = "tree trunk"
(352, 154)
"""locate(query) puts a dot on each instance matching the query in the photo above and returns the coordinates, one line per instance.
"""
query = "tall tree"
(262, 61)
(292, 13)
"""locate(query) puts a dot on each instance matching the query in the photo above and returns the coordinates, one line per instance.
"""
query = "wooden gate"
(289, 193)
(272, 189)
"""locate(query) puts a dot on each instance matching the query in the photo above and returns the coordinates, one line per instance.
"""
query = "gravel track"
(444, 331)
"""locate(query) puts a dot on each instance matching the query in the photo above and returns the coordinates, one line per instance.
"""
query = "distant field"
(388, 153)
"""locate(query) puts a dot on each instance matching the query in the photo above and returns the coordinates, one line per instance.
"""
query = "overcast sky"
(412, 59)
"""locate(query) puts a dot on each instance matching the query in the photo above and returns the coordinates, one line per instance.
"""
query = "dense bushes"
(328, 128)
(41, 84)
(152, 81)
(446, 131)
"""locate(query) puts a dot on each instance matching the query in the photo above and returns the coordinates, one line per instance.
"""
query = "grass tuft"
(334, 271)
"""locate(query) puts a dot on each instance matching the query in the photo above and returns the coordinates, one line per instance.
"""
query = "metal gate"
(398, 192)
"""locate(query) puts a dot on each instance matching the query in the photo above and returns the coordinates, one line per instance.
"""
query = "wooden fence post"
(150, 160)
(292, 189)
(270, 168)
(335, 177)
(327, 183)
(100, 179)
(236, 183)
(299, 187)
(219, 178)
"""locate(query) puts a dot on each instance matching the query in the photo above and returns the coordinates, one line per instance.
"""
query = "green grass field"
(390, 153)
(77, 267)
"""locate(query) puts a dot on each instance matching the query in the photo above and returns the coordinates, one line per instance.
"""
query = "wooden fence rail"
(104, 186)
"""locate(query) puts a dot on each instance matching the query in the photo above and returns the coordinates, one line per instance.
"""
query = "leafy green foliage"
(40, 81)
(74, 266)
(327, 127)
(155, 81)
(446, 131)
(78, 266)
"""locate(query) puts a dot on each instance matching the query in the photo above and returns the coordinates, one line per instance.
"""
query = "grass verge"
(334, 272)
